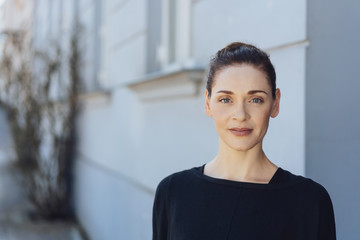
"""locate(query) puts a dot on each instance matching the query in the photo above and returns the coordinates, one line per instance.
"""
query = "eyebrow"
(225, 91)
(252, 92)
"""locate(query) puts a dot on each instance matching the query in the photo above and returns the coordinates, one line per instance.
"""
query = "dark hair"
(241, 53)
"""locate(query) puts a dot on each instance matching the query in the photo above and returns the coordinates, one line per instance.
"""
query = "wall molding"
(176, 83)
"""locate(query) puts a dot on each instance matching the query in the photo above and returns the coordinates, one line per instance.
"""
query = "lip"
(241, 131)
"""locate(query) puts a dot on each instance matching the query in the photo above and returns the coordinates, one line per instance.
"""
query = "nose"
(240, 112)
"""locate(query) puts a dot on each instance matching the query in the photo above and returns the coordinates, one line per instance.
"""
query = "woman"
(241, 194)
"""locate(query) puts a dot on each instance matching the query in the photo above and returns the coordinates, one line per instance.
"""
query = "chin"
(242, 148)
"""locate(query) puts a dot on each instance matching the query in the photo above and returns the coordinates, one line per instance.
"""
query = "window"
(169, 28)
(89, 14)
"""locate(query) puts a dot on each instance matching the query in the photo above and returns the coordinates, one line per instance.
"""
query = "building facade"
(144, 68)
(145, 117)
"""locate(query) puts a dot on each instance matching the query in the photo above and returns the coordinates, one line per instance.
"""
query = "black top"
(192, 206)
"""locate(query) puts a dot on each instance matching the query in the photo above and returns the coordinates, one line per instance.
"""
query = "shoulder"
(313, 201)
(175, 179)
(320, 193)
(306, 186)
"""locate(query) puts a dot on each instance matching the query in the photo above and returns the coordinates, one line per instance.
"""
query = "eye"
(257, 100)
(225, 100)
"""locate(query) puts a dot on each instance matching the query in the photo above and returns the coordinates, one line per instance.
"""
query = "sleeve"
(160, 211)
(327, 230)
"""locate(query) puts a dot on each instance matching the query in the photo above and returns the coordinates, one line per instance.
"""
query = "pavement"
(14, 221)
(16, 225)
(38, 231)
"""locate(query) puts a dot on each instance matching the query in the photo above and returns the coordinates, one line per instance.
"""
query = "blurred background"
(119, 84)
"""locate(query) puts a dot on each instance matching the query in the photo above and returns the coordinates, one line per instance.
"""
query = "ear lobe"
(276, 106)
(207, 104)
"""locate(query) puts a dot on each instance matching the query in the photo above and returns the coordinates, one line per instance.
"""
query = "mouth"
(241, 131)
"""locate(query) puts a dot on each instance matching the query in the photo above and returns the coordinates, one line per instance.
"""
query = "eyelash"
(228, 100)
(222, 100)
(259, 100)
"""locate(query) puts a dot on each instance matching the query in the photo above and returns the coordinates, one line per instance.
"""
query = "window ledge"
(94, 93)
(96, 97)
(177, 83)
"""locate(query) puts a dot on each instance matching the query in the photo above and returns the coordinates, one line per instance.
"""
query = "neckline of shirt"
(273, 183)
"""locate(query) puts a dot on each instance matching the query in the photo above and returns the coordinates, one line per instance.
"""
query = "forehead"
(241, 78)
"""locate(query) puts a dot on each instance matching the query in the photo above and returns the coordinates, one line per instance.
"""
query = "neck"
(245, 166)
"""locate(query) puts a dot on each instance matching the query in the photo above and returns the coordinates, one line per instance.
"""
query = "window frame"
(174, 49)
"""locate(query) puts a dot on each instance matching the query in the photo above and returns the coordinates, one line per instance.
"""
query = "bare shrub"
(39, 92)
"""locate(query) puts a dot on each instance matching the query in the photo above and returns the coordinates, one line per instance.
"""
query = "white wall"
(111, 200)
(333, 112)
(127, 145)
(265, 23)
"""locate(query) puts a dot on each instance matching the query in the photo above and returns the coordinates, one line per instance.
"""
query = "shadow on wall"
(5, 138)
(11, 195)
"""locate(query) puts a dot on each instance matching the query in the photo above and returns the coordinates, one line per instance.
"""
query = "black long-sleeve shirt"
(192, 206)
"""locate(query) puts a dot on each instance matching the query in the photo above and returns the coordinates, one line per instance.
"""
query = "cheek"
(221, 114)
(260, 115)
(222, 111)
(262, 118)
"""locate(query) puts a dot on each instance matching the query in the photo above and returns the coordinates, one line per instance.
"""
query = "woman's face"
(241, 105)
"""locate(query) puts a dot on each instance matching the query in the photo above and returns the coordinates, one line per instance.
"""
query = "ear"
(276, 105)
(207, 104)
